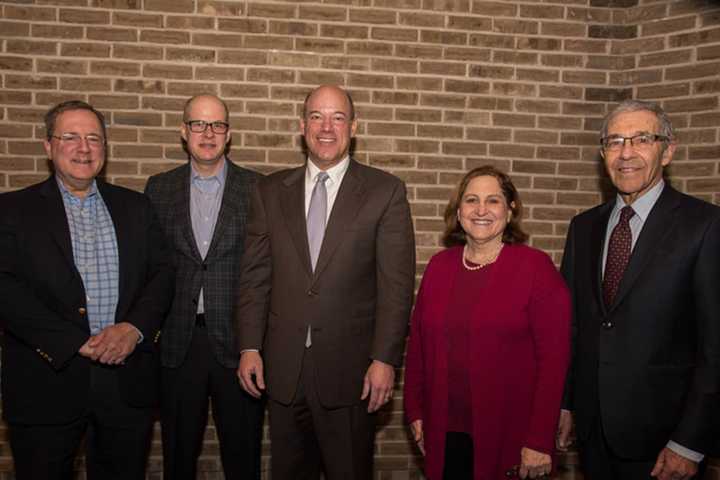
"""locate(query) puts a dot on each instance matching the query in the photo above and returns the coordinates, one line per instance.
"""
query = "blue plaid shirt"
(95, 252)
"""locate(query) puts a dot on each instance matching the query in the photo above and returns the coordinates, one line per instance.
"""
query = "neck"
(480, 250)
(207, 169)
(80, 191)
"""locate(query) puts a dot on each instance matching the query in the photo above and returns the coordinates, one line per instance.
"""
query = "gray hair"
(626, 106)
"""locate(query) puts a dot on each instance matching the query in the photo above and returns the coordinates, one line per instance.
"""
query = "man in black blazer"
(644, 384)
(203, 208)
(85, 281)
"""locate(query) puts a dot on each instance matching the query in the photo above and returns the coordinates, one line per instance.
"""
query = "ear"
(353, 127)
(667, 155)
(302, 125)
(228, 136)
(184, 131)
(48, 149)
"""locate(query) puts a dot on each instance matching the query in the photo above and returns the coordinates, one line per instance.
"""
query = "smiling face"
(484, 211)
(206, 149)
(635, 170)
(328, 126)
(76, 163)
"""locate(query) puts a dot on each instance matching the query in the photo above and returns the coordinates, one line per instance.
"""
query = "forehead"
(77, 120)
(631, 122)
(484, 184)
(207, 108)
(328, 100)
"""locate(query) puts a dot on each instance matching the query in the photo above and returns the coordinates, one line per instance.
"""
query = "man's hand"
(251, 363)
(378, 383)
(112, 345)
(562, 442)
(534, 464)
(416, 428)
(671, 466)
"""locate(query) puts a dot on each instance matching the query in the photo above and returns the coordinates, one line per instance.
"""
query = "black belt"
(200, 320)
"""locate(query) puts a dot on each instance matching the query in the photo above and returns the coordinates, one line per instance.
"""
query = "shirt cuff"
(140, 335)
(685, 452)
(249, 350)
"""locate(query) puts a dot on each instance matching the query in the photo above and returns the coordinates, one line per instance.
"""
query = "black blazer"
(218, 274)
(650, 364)
(42, 302)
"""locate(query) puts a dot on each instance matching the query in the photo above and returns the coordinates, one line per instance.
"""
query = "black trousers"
(116, 445)
(458, 456)
(186, 394)
(306, 437)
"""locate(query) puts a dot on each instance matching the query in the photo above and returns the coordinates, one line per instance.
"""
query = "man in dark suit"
(643, 269)
(85, 281)
(203, 208)
(323, 312)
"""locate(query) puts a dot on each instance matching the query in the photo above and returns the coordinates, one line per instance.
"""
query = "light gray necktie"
(317, 213)
(316, 217)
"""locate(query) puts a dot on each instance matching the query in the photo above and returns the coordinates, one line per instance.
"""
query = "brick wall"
(440, 86)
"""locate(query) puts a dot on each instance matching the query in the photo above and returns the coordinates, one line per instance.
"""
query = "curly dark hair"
(455, 235)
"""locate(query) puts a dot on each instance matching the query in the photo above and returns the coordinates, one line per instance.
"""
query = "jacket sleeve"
(567, 270)
(698, 425)
(415, 374)
(23, 313)
(549, 314)
(395, 266)
(253, 294)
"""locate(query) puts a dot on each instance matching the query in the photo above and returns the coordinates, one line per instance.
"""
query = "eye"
(94, 139)
(314, 117)
(339, 118)
(70, 137)
(643, 139)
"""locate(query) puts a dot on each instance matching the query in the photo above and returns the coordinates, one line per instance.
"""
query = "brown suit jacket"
(358, 299)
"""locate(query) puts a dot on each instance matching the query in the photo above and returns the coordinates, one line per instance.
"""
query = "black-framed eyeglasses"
(200, 126)
(74, 139)
(643, 140)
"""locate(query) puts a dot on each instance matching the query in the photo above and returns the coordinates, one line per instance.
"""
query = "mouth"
(82, 161)
(481, 222)
(325, 140)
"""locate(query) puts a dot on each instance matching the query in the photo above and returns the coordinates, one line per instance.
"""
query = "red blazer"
(519, 349)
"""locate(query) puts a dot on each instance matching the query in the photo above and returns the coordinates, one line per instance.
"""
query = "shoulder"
(529, 259)
(170, 177)
(374, 175)
(444, 258)
(242, 172)
(285, 176)
(693, 206)
(111, 192)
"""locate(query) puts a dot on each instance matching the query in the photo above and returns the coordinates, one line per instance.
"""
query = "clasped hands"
(377, 384)
(112, 345)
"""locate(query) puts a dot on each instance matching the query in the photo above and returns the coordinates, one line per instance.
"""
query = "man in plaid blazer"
(202, 206)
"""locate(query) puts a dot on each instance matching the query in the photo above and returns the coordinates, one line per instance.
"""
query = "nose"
(327, 123)
(627, 149)
(84, 145)
(208, 133)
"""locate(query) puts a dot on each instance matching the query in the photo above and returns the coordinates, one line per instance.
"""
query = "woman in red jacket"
(489, 343)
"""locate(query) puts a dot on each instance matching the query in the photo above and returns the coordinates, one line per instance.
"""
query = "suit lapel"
(597, 242)
(182, 207)
(346, 206)
(228, 208)
(56, 220)
(123, 224)
(656, 227)
(292, 203)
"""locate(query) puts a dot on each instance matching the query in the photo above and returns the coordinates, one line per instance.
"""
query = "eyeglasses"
(75, 139)
(616, 143)
(200, 126)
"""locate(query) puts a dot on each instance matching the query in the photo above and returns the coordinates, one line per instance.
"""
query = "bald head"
(203, 98)
(350, 106)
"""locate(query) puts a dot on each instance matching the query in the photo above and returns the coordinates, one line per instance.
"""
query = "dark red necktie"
(618, 255)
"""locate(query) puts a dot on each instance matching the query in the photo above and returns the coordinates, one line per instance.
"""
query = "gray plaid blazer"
(218, 275)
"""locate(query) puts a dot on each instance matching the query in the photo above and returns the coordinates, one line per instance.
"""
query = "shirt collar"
(644, 203)
(69, 195)
(335, 172)
(220, 175)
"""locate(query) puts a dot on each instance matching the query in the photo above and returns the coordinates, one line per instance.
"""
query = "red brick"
(139, 86)
(50, 31)
(495, 9)
(15, 29)
(253, 25)
(418, 19)
(242, 57)
(85, 84)
(513, 89)
(257, 9)
(16, 63)
(190, 22)
(324, 13)
(370, 48)
(117, 4)
(515, 151)
(195, 55)
(214, 8)
(137, 52)
(174, 6)
(138, 20)
(174, 72)
(27, 82)
(693, 71)
(492, 41)
(377, 17)
(522, 27)
(33, 13)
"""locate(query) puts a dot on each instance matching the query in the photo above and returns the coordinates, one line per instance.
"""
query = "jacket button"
(311, 293)
(608, 325)
(82, 311)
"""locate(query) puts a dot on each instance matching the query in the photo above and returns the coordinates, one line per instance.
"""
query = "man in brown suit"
(324, 298)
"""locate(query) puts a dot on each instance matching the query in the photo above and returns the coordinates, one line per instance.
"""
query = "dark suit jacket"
(42, 302)
(653, 372)
(359, 297)
(218, 274)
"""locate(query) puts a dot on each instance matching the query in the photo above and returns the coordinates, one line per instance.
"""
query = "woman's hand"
(534, 464)
(417, 430)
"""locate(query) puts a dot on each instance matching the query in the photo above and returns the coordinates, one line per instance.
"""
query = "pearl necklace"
(478, 266)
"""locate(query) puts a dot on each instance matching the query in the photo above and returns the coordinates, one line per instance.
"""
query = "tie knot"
(626, 214)
(322, 177)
